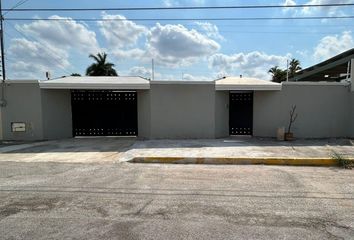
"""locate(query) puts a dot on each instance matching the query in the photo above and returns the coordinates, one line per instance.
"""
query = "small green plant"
(342, 161)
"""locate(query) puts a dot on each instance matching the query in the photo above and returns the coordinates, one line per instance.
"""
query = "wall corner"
(352, 74)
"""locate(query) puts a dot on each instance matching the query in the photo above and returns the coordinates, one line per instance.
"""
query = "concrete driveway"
(154, 201)
(74, 150)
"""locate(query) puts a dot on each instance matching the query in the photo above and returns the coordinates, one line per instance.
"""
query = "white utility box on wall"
(18, 127)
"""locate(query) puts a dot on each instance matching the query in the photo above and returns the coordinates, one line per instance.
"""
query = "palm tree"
(273, 70)
(294, 66)
(101, 67)
(278, 75)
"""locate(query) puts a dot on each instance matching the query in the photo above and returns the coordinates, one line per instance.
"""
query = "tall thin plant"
(293, 116)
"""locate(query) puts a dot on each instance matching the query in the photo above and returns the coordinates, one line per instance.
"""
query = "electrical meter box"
(18, 127)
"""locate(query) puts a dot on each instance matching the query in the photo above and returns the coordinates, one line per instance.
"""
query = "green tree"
(294, 66)
(101, 67)
(75, 74)
(278, 75)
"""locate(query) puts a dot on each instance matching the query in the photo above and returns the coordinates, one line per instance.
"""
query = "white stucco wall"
(23, 105)
(323, 110)
(56, 113)
(182, 110)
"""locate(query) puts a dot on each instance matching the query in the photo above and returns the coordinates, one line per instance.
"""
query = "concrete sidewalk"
(91, 150)
(235, 150)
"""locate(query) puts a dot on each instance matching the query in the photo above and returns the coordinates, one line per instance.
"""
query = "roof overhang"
(246, 84)
(88, 82)
(328, 70)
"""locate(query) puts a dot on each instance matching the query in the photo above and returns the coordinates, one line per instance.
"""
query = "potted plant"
(288, 136)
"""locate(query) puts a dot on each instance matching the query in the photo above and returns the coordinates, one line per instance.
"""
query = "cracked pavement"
(155, 201)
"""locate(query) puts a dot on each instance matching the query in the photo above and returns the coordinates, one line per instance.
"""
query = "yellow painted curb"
(241, 160)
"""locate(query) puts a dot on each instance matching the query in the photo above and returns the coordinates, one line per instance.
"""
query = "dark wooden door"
(104, 113)
(241, 113)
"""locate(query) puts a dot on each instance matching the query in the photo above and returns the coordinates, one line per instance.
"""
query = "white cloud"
(170, 45)
(211, 30)
(288, 3)
(190, 77)
(140, 71)
(252, 64)
(66, 34)
(120, 33)
(171, 3)
(26, 70)
(135, 53)
(222, 74)
(332, 45)
(146, 73)
(308, 11)
(33, 59)
(302, 53)
(176, 45)
(49, 51)
(164, 77)
(331, 11)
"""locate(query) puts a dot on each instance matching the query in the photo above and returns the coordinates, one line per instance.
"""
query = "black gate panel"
(241, 113)
(104, 113)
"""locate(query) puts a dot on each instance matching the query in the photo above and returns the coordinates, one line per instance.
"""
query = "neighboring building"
(334, 69)
(134, 106)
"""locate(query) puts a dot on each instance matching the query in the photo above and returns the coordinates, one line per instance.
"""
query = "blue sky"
(188, 50)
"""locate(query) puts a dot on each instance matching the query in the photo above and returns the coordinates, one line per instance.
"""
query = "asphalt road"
(137, 201)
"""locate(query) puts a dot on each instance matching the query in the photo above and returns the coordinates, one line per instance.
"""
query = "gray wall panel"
(56, 110)
(221, 114)
(323, 111)
(351, 120)
(144, 117)
(23, 105)
(182, 110)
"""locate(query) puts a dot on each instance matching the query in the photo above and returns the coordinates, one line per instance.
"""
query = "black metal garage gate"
(104, 113)
(241, 113)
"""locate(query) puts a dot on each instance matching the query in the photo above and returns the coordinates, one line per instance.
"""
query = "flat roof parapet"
(99, 82)
(243, 83)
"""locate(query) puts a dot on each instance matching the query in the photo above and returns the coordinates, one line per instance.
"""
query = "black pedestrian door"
(104, 113)
(241, 113)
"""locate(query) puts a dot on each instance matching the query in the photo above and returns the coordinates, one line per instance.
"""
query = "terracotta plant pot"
(289, 136)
